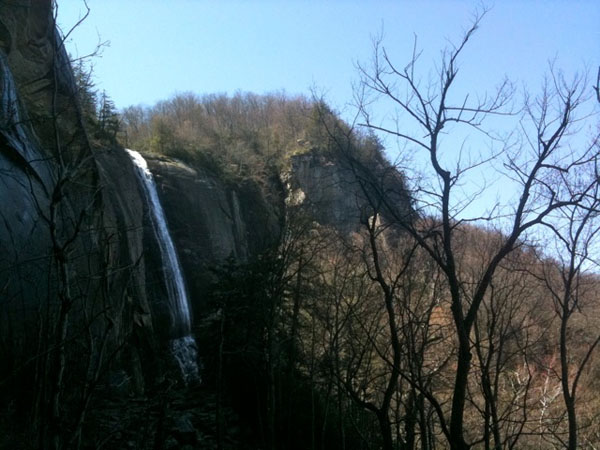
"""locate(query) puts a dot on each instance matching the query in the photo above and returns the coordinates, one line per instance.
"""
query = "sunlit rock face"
(331, 191)
(41, 69)
(325, 189)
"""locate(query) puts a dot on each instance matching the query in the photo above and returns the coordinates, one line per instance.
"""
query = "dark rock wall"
(114, 255)
(52, 178)
(26, 180)
(211, 220)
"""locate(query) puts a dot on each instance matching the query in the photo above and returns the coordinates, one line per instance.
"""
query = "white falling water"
(183, 347)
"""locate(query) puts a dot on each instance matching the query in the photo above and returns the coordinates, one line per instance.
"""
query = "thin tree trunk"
(58, 370)
(457, 441)
(566, 390)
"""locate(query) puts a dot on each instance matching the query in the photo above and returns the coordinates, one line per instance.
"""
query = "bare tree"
(434, 110)
(503, 340)
(571, 283)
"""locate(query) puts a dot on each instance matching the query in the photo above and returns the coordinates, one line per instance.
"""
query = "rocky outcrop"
(324, 189)
(26, 176)
(338, 191)
(26, 180)
(69, 194)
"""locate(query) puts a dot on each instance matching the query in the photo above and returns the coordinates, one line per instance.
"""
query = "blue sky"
(160, 47)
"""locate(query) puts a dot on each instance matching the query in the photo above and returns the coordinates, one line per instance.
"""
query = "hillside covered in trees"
(337, 299)
(244, 135)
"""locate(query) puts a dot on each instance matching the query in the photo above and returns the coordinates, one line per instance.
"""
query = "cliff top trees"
(243, 135)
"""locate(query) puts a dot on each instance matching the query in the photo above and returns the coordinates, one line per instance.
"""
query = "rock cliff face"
(25, 177)
(70, 212)
(335, 192)
(211, 220)
(326, 190)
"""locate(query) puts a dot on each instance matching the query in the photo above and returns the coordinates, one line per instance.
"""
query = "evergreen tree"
(85, 91)
(108, 118)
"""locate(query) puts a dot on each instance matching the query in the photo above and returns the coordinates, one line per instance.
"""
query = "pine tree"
(85, 91)
(108, 118)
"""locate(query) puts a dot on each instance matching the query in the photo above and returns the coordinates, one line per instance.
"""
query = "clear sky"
(160, 47)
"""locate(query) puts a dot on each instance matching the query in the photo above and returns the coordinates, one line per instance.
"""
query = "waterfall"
(183, 347)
